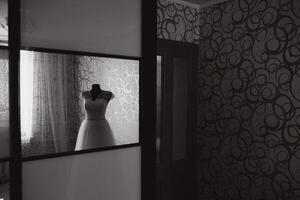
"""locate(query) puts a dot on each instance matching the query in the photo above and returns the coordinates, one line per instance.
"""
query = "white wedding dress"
(94, 131)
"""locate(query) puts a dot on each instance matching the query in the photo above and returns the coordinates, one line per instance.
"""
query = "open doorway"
(176, 118)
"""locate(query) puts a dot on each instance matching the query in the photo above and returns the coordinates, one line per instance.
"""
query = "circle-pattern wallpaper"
(249, 100)
(248, 140)
(177, 22)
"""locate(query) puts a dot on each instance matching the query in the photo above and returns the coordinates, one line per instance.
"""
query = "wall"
(249, 100)
(83, 25)
(177, 22)
(248, 95)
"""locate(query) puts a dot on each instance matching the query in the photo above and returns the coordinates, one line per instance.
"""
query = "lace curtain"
(4, 87)
(4, 104)
(52, 103)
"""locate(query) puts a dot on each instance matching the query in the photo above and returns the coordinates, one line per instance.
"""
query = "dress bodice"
(95, 110)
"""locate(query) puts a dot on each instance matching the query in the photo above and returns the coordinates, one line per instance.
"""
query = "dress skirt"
(94, 134)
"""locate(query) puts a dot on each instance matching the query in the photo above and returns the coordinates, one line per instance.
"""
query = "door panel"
(179, 121)
(176, 120)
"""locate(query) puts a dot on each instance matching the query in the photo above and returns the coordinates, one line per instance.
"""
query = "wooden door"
(176, 119)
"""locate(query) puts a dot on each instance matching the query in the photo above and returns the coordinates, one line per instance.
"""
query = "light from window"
(26, 88)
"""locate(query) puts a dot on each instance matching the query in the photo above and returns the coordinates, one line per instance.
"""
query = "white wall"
(102, 26)
(108, 175)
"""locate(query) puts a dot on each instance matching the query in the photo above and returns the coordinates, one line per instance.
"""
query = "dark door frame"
(14, 41)
(169, 48)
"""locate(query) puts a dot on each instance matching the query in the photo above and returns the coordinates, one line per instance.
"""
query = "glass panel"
(4, 105)
(4, 181)
(106, 175)
(112, 27)
(77, 102)
(180, 93)
(3, 23)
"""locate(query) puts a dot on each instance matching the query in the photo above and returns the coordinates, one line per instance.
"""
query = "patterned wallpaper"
(249, 101)
(177, 22)
(248, 141)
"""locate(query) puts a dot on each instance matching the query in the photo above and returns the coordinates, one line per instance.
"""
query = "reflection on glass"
(3, 23)
(81, 102)
(4, 181)
(4, 105)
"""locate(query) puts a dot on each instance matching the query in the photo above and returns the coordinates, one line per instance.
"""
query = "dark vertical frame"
(148, 100)
(169, 49)
(193, 118)
(14, 106)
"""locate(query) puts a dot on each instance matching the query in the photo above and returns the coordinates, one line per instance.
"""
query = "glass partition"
(73, 102)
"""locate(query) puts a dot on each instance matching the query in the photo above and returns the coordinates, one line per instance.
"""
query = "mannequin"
(95, 131)
(96, 91)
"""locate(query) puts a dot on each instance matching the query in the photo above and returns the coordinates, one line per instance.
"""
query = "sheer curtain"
(4, 105)
(48, 113)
